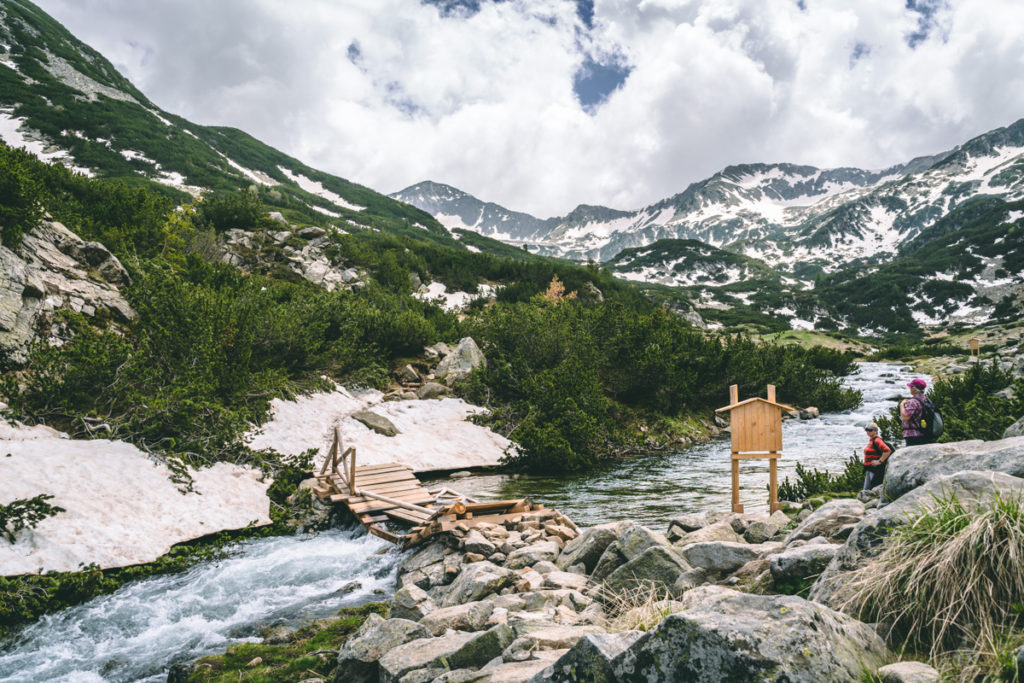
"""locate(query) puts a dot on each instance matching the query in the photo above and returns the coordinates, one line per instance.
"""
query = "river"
(136, 633)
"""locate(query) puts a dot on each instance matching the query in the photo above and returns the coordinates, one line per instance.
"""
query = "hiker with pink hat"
(912, 410)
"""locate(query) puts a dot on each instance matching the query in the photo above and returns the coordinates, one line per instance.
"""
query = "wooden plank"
(368, 520)
(405, 498)
(447, 523)
(383, 533)
(400, 495)
(369, 479)
(492, 505)
(410, 516)
(387, 467)
(394, 487)
(380, 505)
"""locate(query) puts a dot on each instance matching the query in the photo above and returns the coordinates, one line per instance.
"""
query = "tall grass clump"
(948, 584)
(640, 607)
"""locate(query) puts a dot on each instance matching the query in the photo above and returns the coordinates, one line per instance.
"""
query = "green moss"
(309, 651)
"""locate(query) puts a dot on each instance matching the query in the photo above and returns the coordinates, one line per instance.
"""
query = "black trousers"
(873, 476)
(916, 440)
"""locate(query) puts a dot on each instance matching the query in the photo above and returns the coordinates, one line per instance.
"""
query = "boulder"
(411, 602)
(611, 559)
(424, 568)
(760, 531)
(377, 423)
(476, 581)
(544, 551)
(548, 636)
(719, 531)
(725, 635)
(908, 672)
(635, 540)
(720, 557)
(972, 489)
(482, 648)
(1016, 429)
(557, 580)
(659, 566)
(590, 659)
(827, 519)
(476, 542)
(461, 362)
(431, 390)
(357, 659)
(471, 616)
(588, 547)
(419, 654)
(914, 466)
(800, 564)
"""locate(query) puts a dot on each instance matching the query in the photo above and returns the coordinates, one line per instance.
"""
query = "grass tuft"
(949, 585)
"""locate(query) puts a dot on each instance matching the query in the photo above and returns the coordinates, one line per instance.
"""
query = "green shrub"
(20, 196)
(26, 513)
(813, 482)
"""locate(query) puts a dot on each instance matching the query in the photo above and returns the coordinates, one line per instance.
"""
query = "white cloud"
(485, 102)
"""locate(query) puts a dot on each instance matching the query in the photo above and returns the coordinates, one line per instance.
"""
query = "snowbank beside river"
(121, 507)
(434, 434)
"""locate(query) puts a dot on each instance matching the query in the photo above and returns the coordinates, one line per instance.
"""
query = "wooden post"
(734, 394)
(773, 484)
(736, 505)
(771, 393)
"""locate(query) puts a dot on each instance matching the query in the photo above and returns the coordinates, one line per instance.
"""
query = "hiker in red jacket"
(876, 453)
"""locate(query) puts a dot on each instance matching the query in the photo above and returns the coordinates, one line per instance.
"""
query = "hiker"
(911, 410)
(875, 455)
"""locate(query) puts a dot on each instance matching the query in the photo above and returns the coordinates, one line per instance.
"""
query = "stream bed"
(138, 632)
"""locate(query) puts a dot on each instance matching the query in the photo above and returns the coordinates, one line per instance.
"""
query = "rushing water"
(654, 488)
(137, 632)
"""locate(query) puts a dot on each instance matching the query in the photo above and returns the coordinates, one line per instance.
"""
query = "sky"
(541, 105)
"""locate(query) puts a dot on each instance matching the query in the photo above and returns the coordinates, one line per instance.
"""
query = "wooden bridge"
(376, 494)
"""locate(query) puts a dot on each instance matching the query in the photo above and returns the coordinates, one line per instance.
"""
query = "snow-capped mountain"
(798, 218)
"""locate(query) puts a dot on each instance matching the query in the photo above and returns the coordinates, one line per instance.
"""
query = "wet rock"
(908, 672)
(915, 466)
(810, 413)
(723, 634)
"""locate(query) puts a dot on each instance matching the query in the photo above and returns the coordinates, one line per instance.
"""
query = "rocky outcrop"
(377, 423)
(53, 269)
(971, 489)
(458, 364)
(915, 466)
(1016, 429)
(827, 520)
(724, 635)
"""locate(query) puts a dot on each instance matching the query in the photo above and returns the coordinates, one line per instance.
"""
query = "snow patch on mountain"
(16, 134)
(315, 187)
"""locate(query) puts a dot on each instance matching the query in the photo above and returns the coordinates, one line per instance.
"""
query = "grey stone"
(588, 547)
(471, 616)
(725, 635)
(358, 657)
(311, 232)
(461, 362)
(658, 566)
(1016, 429)
(720, 557)
(800, 564)
(377, 423)
(610, 560)
(827, 519)
(481, 648)
(590, 659)
(532, 554)
(419, 654)
(760, 531)
(914, 466)
(477, 581)
(908, 672)
(635, 540)
(972, 490)
(719, 531)
(431, 390)
(476, 542)
(548, 636)
(411, 602)
(689, 579)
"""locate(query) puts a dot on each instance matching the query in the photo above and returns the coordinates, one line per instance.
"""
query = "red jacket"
(874, 451)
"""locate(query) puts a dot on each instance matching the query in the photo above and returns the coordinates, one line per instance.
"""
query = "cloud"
(543, 104)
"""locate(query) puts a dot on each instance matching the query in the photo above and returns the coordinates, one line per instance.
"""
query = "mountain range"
(933, 241)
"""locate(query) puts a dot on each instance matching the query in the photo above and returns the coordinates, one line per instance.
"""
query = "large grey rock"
(720, 557)
(972, 489)
(659, 566)
(549, 636)
(431, 390)
(424, 568)
(419, 654)
(636, 540)
(411, 602)
(1016, 429)
(477, 580)
(917, 465)
(52, 269)
(471, 616)
(590, 659)
(610, 560)
(800, 564)
(461, 362)
(357, 659)
(828, 519)
(908, 672)
(719, 531)
(725, 635)
(482, 648)
(377, 423)
(476, 542)
(544, 551)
